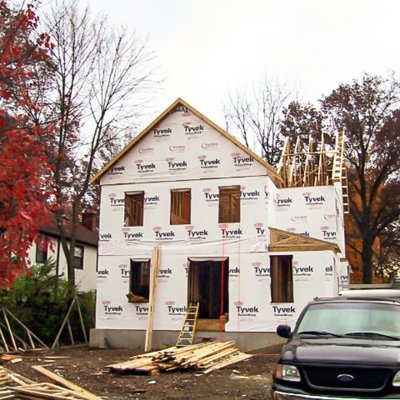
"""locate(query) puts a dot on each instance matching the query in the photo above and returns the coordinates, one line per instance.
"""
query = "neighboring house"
(231, 237)
(85, 260)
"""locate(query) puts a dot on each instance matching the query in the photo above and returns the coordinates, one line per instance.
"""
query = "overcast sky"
(206, 48)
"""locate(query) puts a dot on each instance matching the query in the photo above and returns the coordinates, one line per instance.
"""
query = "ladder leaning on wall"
(339, 171)
(188, 331)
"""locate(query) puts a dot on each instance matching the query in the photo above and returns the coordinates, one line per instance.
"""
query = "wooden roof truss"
(311, 164)
(281, 241)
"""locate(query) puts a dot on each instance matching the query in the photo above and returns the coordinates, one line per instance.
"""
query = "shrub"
(41, 300)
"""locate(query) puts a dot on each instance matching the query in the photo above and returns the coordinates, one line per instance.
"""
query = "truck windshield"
(356, 319)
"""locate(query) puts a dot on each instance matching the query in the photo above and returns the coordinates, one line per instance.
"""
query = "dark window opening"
(180, 206)
(139, 283)
(134, 205)
(41, 252)
(78, 257)
(229, 204)
(208, 284)
(281, 279)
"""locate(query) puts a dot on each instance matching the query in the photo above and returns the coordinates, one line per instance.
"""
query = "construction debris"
(10, 358)
(8, 377)
(47, 391)
(205, 357)
(15, 386)
(64, 382)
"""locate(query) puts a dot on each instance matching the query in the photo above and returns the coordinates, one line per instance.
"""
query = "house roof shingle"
(83, 234)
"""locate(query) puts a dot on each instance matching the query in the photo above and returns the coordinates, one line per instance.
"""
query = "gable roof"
(83, 234)
(271, 171)
(286, 241)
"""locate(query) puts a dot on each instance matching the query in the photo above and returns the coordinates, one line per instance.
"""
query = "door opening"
(208, 284)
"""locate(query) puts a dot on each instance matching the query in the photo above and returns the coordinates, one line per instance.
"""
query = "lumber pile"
(47, 391)
(203, 357)
(8, 377)
(7, 380)
(15, 386)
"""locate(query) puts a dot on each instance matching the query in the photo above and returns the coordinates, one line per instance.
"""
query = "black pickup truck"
(341, 348)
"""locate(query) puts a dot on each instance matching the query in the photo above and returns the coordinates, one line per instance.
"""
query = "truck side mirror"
(284, 331)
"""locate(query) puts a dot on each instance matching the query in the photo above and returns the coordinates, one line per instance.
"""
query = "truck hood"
(342, 351)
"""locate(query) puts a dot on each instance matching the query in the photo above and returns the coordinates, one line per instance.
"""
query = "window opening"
(41, 251)
(139, 282)
(229, 204)
(281, 279)
(134, 205)
(180, 206)
(78, 257)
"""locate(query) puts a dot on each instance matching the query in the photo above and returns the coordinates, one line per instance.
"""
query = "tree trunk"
(366, 256)
(68, 240)
(74, 229)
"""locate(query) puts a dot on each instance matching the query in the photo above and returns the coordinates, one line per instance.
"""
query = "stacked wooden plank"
(7, 394)
(204, 357)
(5, 379)
(5, 376)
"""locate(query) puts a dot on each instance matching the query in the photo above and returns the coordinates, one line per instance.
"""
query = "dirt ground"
(249, 379)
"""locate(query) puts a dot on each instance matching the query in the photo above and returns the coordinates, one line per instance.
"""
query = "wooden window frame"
(229, 204)
(134, 209)
(281, 279)
(180, 210)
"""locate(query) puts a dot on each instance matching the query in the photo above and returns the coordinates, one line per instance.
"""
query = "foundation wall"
(124, 338)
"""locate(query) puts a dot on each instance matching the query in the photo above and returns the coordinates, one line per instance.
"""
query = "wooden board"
(65, 383)
(204, 357)
(47, 391)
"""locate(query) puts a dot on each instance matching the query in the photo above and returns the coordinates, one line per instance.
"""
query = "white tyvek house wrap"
(309, 211)
(182, 146)
(204, 235)
(185, 152)
(250, 307)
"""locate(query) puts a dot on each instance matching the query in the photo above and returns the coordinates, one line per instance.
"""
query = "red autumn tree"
(24, 171)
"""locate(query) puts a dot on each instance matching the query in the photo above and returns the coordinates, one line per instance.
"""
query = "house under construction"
(191, 217)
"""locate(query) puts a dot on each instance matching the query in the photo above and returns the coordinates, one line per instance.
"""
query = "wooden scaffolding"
(314, 164)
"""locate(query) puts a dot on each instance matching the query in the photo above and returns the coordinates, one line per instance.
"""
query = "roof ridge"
(271, 171)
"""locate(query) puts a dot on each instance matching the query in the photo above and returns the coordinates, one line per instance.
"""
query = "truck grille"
(364, 378)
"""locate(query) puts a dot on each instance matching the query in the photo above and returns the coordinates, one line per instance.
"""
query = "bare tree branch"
(104, 76)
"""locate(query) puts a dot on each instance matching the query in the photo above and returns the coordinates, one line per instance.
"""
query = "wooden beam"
(81, 320)
(21, 341)
(64, 382)
(4, 340)
(10, 330)
(66, 319)
(71, 335)
(29, 332)
(152, 296)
